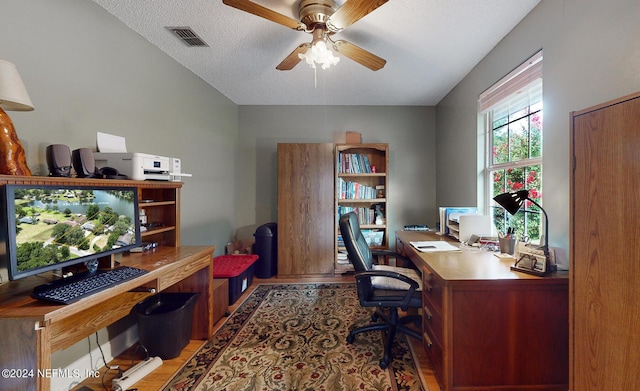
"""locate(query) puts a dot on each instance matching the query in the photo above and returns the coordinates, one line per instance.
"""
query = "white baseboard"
(63, 379)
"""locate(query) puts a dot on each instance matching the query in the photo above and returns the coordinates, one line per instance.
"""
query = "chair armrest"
(413, 285)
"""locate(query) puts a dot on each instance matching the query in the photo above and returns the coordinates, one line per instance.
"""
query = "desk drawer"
(182, 272)
(434, 351)
(432, 287)
(432, 318)
(400, 247)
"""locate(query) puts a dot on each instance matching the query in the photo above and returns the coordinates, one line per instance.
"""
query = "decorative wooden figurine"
(13, 160)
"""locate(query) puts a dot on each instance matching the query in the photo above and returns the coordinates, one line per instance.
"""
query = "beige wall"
(86, 72)
(409, 131)
(591, 55)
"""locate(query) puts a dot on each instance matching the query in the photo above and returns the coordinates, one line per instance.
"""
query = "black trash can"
(164, 322)
(266, 247)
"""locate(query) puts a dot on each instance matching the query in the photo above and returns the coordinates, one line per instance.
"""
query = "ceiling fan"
(322, 19)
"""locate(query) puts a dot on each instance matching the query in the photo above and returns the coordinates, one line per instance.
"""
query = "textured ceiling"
(429, 45)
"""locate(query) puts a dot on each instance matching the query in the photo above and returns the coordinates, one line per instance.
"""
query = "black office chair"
(384, 287)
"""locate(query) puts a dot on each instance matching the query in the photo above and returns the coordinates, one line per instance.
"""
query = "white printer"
(176, 170)
(137, 166)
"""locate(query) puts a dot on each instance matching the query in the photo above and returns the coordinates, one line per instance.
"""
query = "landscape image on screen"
(58, 225)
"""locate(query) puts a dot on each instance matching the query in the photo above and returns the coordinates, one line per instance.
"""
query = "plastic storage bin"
(266, 247)
(164, 322)
(238, 269)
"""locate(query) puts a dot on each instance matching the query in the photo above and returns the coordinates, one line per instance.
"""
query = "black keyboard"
(68, 290)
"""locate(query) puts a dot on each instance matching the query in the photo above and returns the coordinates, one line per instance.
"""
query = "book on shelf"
(366, 216)
(354, 191)
(365, 164)
(353, 163)
(342, 258)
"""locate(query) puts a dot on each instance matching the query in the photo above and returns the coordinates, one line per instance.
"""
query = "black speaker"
(59, 160)
(84, 163)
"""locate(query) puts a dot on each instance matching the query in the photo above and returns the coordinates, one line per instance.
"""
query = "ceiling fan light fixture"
(321, 18)
(319, 54)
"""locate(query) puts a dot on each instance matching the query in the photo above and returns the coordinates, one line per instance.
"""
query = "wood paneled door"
(605, 249)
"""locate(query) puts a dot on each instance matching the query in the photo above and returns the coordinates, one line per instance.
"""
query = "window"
(512, 113)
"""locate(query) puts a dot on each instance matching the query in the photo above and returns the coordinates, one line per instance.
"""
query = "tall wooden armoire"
(306, 222)
(605, 247)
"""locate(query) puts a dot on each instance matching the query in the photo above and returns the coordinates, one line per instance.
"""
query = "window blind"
(514, 82)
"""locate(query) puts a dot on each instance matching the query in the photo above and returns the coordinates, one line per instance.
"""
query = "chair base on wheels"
(392, 324)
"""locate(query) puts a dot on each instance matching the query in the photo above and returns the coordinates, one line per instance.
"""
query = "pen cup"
(507, 245)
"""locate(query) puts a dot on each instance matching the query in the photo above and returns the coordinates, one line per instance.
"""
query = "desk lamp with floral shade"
(13, 97)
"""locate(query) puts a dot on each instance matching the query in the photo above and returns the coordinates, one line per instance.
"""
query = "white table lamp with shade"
(13, 97)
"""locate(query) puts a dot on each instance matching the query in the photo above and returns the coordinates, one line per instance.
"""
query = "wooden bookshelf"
(362, 179)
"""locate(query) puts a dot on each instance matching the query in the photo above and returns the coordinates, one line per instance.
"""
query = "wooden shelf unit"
(36, 329)
(308, 183)
(376, 155)
(159, 199)
(161, 206)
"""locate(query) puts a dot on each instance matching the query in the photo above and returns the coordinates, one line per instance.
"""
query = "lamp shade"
(512, 202)
(13, 97)
(13, 94)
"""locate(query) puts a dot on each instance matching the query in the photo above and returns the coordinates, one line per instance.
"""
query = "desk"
(31, 330)
(486, 327)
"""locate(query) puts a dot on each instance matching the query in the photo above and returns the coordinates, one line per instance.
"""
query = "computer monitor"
(47, 227)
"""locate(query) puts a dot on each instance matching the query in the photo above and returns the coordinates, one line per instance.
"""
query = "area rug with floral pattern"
(292, 337)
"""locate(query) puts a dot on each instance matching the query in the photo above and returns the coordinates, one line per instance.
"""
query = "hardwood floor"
(169, 367)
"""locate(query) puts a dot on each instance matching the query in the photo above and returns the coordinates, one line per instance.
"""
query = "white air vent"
(186, 35)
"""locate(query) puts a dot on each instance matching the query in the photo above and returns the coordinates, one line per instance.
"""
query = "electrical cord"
(117, 367)
(104, 360)
(146, 353)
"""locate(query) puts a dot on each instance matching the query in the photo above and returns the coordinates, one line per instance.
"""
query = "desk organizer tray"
(238, 269)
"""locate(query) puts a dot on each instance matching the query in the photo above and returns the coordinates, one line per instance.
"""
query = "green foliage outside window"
(516, 139)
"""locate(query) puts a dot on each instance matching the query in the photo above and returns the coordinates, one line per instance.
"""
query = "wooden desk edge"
(31, 347)
(467, 263)
(46, 312)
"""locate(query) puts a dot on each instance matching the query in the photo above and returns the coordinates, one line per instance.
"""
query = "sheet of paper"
(110, 143)
(429, 246)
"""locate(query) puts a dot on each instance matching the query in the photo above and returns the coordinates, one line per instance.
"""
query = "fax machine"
(137, 166)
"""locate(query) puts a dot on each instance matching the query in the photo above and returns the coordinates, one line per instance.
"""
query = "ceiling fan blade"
(263, 12)
(359, 55)
(351, 12)
(293, 59)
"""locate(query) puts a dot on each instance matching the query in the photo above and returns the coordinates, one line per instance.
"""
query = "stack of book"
(342, 258)
(355, 191)
(366, 216)
(353, 163)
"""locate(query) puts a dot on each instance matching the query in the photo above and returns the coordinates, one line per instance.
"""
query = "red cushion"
(226, 266)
